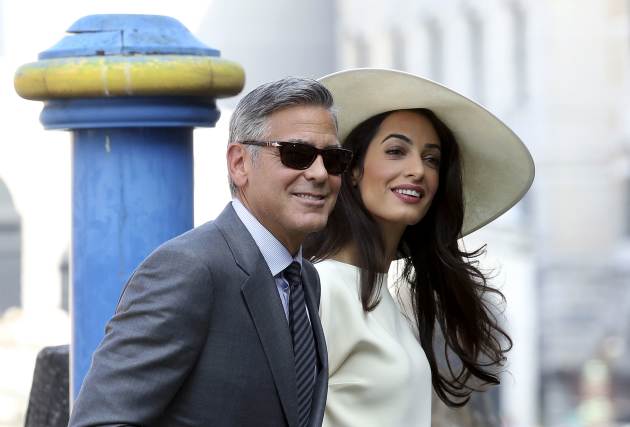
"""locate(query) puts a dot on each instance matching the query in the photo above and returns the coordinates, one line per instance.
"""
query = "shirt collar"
(275, 253)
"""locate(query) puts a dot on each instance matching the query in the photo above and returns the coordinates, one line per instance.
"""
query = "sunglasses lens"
(301, 156)
(297, 156)
(336, 160)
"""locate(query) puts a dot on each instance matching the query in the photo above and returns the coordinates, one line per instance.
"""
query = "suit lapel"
(261, 297)
(309, 282)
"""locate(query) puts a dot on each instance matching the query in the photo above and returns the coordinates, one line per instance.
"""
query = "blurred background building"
(556, 71)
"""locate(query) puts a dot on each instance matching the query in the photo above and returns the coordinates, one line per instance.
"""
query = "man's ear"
(238, 164)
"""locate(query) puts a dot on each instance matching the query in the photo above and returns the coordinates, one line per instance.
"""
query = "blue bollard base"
(127, 112)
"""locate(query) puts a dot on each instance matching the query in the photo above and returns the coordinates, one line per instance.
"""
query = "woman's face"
(401, 171)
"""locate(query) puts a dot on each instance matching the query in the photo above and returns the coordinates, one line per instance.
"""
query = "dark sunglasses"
(299, 155)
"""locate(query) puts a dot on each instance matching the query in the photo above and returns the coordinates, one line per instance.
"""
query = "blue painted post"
(131, 88)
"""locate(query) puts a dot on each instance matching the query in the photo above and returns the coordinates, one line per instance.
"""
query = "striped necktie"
(303, 343)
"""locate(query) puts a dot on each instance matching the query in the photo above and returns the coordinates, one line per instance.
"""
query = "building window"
(519, 51)
(355, 51)
(436, 49)
(362, 51)
(476, 52)
(399, 49)
(626, 209)
(2, 27)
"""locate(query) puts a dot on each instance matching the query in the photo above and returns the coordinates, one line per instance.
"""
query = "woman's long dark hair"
(447, 289)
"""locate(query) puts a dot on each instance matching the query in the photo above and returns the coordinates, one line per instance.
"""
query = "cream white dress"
(378, 373)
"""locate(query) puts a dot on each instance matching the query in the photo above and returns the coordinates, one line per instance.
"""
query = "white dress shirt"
(276, 255)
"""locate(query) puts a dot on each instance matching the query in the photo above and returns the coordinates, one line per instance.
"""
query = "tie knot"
(292, 274)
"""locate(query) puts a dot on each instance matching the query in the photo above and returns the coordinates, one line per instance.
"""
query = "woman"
(406, 196)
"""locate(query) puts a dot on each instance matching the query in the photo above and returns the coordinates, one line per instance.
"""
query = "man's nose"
(317, 171)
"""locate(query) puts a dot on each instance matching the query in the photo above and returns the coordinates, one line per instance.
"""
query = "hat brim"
(497, 168)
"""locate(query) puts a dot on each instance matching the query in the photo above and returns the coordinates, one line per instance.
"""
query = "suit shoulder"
(183, 262)
(198, 240)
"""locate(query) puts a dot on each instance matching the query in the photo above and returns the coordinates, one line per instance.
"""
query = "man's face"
(288, 202)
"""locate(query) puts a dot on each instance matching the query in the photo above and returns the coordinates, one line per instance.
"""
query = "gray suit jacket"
(200, 338)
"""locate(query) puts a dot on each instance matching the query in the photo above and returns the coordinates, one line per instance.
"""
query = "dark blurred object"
(48, 404)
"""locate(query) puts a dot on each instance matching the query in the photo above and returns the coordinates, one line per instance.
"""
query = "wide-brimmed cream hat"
(497, 167)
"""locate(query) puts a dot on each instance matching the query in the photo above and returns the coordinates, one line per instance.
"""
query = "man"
(218, 327)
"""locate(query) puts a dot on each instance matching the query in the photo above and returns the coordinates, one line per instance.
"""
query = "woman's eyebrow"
(408, 141)
(398, 136)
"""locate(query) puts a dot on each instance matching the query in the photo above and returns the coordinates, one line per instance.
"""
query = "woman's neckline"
(348, 265)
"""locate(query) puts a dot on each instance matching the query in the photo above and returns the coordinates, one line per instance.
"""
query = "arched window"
(624, 171)
(64, 270)
(10, 251)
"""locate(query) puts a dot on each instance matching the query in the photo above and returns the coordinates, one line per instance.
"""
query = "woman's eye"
(433, 161)
(394, 151)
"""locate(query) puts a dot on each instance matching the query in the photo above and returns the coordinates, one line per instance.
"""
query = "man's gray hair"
(249, 120)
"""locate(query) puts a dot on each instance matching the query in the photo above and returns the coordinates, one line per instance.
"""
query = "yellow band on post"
(137, 75)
